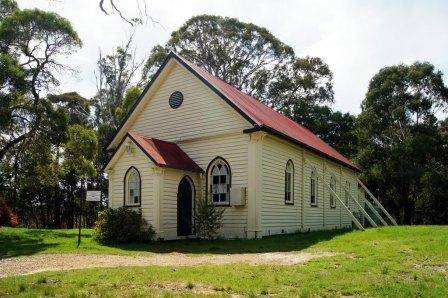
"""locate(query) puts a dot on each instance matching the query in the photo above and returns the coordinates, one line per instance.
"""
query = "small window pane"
(219, 181)
(132, 187)
(223, 178)
(289, 183)
(223, 197)
(313, 189)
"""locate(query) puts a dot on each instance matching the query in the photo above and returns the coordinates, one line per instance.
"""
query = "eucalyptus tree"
(401, 144)
(252, 59)
(80, 152)
(242, 54)
(116, 73)
(117, 90)
(32, 42)
(334, 127)
(307, 80)
(33, 124)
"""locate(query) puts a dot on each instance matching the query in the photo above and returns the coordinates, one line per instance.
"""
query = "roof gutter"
(292, 140)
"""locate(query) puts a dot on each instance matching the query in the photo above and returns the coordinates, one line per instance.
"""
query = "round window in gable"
(176, 99)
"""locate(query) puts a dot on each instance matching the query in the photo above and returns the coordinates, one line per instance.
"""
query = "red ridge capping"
(265, 118)
(164, 154)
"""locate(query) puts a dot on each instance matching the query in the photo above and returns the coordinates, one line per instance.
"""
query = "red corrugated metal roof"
(164, 154)
(264, 116)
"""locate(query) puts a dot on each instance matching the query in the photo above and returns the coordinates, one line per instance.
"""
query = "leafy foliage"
(7, 216)
(47, 147)
(115, 76)
(7, 7)
(208, 219)
(305, 81)
(130, 97)
(336, 128)
(80, 151)
(77, 107)
(31, 41)
(122, 225)
(401, 143)
(53, 145)
(250, 58)
(242, 54)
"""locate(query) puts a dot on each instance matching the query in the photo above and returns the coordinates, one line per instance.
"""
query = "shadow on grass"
(13, 246)
(19, 242)
(16, 242)
(277, 243)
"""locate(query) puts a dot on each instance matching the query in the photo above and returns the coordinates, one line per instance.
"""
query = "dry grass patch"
(54, 262)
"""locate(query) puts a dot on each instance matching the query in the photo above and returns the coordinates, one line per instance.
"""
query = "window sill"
(225, 204)
(289, 203)
(133, 205)
(314, 205)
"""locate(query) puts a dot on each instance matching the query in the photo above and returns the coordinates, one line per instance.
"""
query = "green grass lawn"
(19, 241)
(392, 261)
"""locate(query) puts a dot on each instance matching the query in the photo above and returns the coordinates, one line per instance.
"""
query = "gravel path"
(46, 262)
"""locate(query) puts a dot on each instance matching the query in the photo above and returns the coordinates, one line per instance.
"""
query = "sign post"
(81, 204)
(91, 196)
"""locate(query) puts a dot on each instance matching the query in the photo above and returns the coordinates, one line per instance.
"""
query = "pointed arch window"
(289, 183)
(333, 187)
(132, 188)
(313, 188)
(219, 181)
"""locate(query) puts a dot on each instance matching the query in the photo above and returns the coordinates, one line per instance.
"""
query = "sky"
(355, 38)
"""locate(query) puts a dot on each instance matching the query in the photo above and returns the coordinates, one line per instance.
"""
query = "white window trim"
(313, 176)
(227, 184)
(347, 193)
(332, 196)
(289, 169)
(127, 199)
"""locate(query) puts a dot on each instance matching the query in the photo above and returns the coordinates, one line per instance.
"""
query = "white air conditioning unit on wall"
(238, 196)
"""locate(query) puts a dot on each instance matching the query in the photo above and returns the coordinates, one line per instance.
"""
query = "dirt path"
(46, 262)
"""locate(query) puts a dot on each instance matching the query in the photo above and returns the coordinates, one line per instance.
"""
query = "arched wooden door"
(185, 196)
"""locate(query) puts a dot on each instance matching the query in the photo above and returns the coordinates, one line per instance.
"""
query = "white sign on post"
(93, 196)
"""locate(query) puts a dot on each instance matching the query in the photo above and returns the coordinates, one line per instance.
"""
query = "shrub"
(7, 216)
(208, 219)
(122, 225)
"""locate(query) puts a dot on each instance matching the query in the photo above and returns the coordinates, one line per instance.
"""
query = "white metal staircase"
(364, 206)
(362, 209)
(380, 206)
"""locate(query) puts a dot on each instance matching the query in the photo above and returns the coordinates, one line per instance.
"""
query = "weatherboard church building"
(191, 136)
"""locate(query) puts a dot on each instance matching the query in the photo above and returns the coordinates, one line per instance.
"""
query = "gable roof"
(267, 119)
(163, 153)
(262, 117)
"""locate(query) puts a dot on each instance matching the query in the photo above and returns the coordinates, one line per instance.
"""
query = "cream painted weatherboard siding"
(234, 149)
(124, 160)
(201, 114)
(169, 200)
(276, 216)
(279, 217)
(205, 127)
